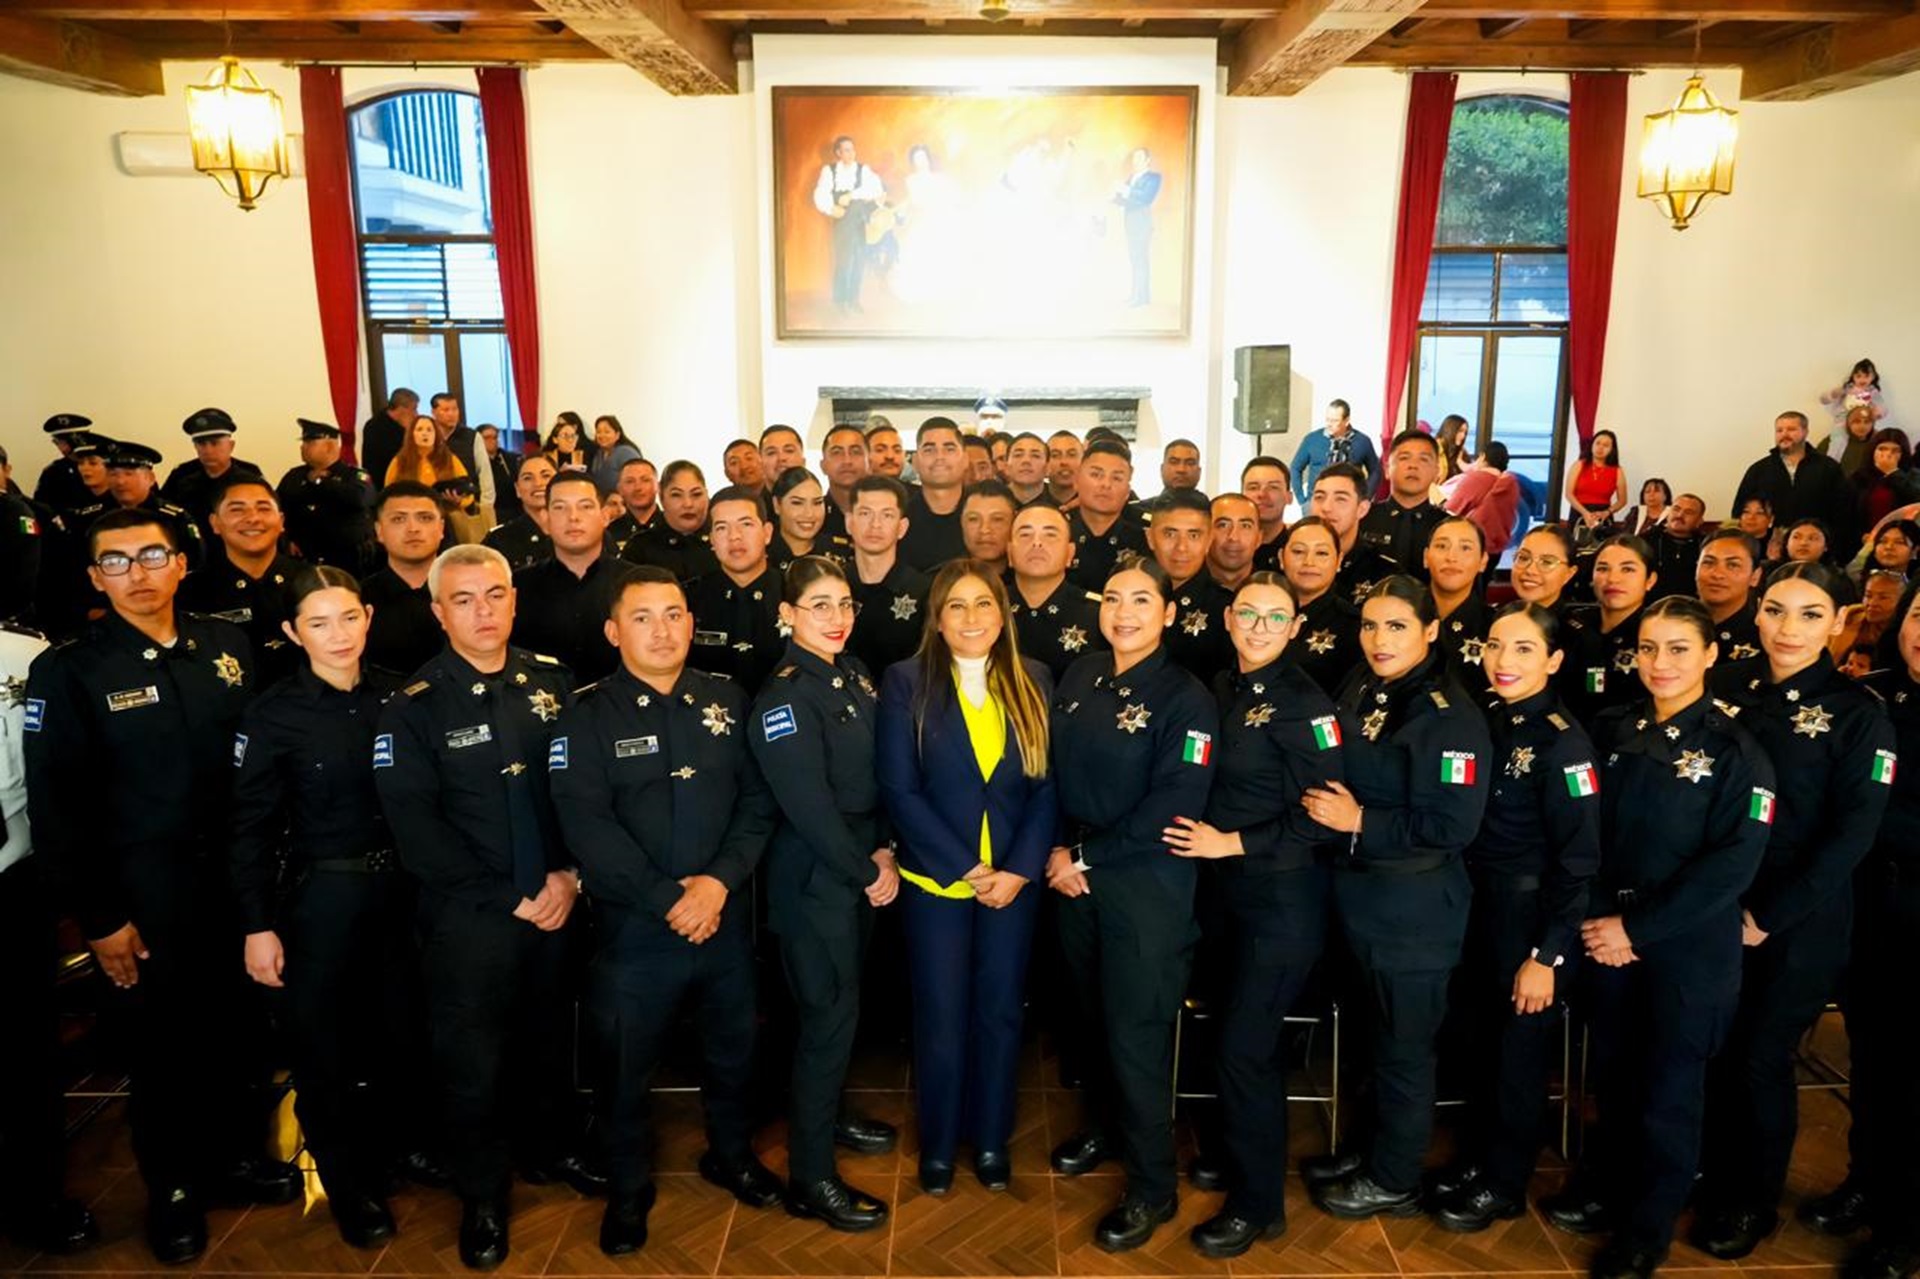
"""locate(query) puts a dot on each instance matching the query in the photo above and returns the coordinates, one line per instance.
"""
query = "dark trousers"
(501, 1022)
(32, 1164)
(638, 985)
(850, 255)
(1127, 945)
(354, 1021)
(1278, 927)
(1884, 1036)
(1655, 1025)
(1507, 1055)
(1753, 1103)
(969, 969)
(821, 946)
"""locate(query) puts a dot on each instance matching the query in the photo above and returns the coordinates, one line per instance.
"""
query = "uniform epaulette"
(1873, 692)
(584, 689)
(1439, 699)
(1093, 597)
(1727, 708)
(418, 687)
(1558, 720)
(786, 672)
(542, 657)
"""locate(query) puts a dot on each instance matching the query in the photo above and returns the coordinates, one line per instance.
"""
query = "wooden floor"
(1041, 1226)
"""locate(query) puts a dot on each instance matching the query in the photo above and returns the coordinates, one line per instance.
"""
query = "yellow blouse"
(987, 730)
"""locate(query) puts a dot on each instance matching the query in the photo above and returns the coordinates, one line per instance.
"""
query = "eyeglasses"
(824, 611)
(1248, 619)
(1524, 559)
(119, 563)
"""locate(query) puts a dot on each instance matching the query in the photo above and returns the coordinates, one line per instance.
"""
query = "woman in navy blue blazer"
(962, 763)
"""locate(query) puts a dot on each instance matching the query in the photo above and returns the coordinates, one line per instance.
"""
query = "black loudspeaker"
(1263, 385)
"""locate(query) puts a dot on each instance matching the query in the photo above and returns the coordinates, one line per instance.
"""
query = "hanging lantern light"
(1686, 153)
(239, 136)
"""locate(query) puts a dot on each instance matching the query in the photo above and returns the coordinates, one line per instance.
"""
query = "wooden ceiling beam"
(1684, 27)
(1537, 55)
(1664, 10)
(399, 50)
(1832, 59)
(277, 10)
(1582, 28)
(1495, 28)
(683, 54)
(1284, 54)
(955, 10)
(76, 56)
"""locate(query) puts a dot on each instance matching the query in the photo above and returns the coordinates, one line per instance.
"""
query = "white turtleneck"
(972, 675)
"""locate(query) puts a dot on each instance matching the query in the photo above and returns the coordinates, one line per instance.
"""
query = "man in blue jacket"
(1337, 441)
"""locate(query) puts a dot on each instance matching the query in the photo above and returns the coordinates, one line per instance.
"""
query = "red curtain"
(336, 265)
(1596, 148)
(503, 111)
(1429, 116)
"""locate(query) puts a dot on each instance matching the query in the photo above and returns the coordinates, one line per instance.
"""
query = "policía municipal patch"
(778, 723)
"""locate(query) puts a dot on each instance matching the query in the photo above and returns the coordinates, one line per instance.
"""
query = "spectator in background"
(1337, 441)
(384, 432)
(1892, 549)
(1851, 444)
(564, 447)
(506, 469)
(1489, 495)
(1597, 485)
(426, 458)
(1755, 518)
(1656, 504)
(612, 449)
(1887, 480)
(1454, 454)
(1799, 482)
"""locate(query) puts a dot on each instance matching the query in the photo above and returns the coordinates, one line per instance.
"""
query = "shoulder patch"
(786, 672)
(383, 751)
(557, 754)
(418, 687)
(1439, 700)
(1727, 708)
(1558, 720)
(778, 723)
(1093, 597)
(543, 658)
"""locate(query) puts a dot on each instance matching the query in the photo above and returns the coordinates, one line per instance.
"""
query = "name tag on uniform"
(128, 698)
(460, 738)
(711, 639)
(238, 616)
(628, 747)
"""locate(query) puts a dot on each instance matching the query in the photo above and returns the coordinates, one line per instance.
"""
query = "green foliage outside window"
(1506, 175)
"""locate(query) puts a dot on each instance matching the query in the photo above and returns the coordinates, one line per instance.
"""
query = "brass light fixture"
(239, 135)
(1686, 151)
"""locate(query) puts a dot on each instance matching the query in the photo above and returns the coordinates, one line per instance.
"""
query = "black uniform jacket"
(1601, 668)
(893, 616)
(737, 629)
(1463, 634)
(1198, 639)
(685, 555)
(404, 635)
(1399, 534)
(1899, 834)
(1097, 553)
(1328, 645)
(257, 605)
(1060, 630)
(521, 541)
(565, 616)
(330, 515)
(1279, 735)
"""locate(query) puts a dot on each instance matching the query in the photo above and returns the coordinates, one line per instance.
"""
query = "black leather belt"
(380, 862)
(1397, 865)
(1495, 881)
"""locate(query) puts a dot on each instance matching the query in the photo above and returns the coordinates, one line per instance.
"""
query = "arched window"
(429, 277)
(1493, 327)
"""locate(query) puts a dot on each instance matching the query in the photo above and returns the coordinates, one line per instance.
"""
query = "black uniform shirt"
(404, 635)
(1060, 630)
(737, 629)
(931, 540)
(1279, 735)
(303, 781)
(1675, 559)
(1601, 668)
(1899, 834)
(1398, 534)
(685, 555)
(654, 787)
(24, 536)
(189, 487)
(330, 515)
(834, 546)
(1739, 635)
(257, 605)
(1096, 553)
(60, 485)
(1131, 752)
(1832, 749)
(626, 528)
(521, 541)
(565, 616)
(1328, 645)
(1418, 758)
(1543, 815)
(459, 752)
(1463, 634)
(1266, 556)
(1685, 811)
(186, 530)
(129, 747)
(1198, 639)
(1360, 568)
(893, 616)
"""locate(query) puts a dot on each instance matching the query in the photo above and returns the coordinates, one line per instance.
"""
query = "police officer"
(639, 488)
(1340, 497)
(129, 769)
(738, 630)
(1329, 645)
(1832, 751)
(328, 502)
(564, 601)
(245, 579)
(1686, 802)
(130, 481)
(1397, 528)
(1544, 567)
(1102, 529)
(59, 485)
(800, 520)
(524, 539)
(25, 532)
(1602, 640)
(1418, 755)
(63, 594)
(1726, 576)
(341, 943)
(659, 795)
(460, 763)
(189, 485)
(410, 525)
(1531, 865)
(892, 596)
(1279, 735)
(1134, 737)
(1455, 557)
(1056, 621)
(829, 866)
(679, 542)
(1181, 531)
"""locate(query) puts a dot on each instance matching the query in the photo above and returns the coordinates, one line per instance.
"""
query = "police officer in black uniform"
(64, 594)
(411, 525)
(736, 610)
(1102, 529)
(1328, 648)
(523, 539)
(1602, 640)
(461, 766)
(245, 579)
(892, 595)
(1397, 527)
(328, 502)
(1056, 621)
(59, 485)
(679, 541)
(828, 868)
(1531, 866)
(658, 792)
(1726, 575)
(1832, 751)
(1134, 739)
(794, 507)
(1279, 735)
(1418, 755)
(1341, 498)
(189, 485)
(25, 534)
(130, 481)
(564, 601)
(1181, 531)
(129, 769)
(1686, 802)
(341, 943)
(1455, 558)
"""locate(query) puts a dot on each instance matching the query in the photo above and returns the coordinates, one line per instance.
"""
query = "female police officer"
(1418, 756)
(1279, 734)
(1134, 737)
(1686, 801)
(1538, 847)
(829, 867)
(1828, 739)
(1455, 557)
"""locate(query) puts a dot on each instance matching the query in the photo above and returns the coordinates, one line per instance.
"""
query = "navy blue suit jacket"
(934, 793)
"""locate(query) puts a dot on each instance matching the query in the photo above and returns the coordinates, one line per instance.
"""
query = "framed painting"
(950, 213)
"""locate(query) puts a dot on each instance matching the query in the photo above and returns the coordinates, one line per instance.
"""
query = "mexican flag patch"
(1582, 781)
(1761, 806)
(1198, 748)
(1883, 762)
(1326, 732)
(1596, 679)
(29, 526)
(1457, 768)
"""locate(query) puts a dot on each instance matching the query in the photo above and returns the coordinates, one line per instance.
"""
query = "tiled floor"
(1041, 1226)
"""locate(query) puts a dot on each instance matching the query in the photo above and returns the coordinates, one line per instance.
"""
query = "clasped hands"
(995, 889)
(550, 909)
(1607, 941)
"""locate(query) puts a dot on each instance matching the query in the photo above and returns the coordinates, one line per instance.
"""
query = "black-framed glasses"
(1249, 618)
(151, 558)
(825, 611)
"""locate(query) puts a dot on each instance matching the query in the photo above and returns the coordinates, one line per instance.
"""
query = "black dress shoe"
(363, 1221)
(623, 1226)
(1359, 1196)
(867, 1136)
(1576, 1210)
(1474, 1207)
(257, 1181)
(838, 1204)
(1839, 1212)
(1454, 1178)
(1319, 1170)
(1229, 1234)
(483, 1233)
(422, 1168)
(1080, 1153)
(1132, 1223)
(748, 1181)
(1882, 1261)
(176, 1226)
(1732, 1233)
(58, 1226)
(577, 1171)
(1207, 1172)
(1623, 1259)
(936, 1176)
(993, 1168)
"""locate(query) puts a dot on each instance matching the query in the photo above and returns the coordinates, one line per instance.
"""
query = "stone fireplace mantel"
(1118, 407)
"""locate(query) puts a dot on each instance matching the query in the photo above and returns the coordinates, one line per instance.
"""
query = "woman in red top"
(1597, 486)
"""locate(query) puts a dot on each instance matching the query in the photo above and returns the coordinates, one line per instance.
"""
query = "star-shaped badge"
(1520, 763)
(1694, 766)
(1471, 649)
(227, 667)
(544, 704)
(1258, 716)
(1625, 661)
(1134, 718)
(1320, 641)
(717, 719)
(1073, 638)
(1811, 721)
(1373, 722)
(13, 691)
(684, 773)
(1195, 622)
(904, 607)
(785, 629)
(1740, 652)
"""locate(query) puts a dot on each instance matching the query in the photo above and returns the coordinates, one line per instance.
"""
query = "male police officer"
(328, 502)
